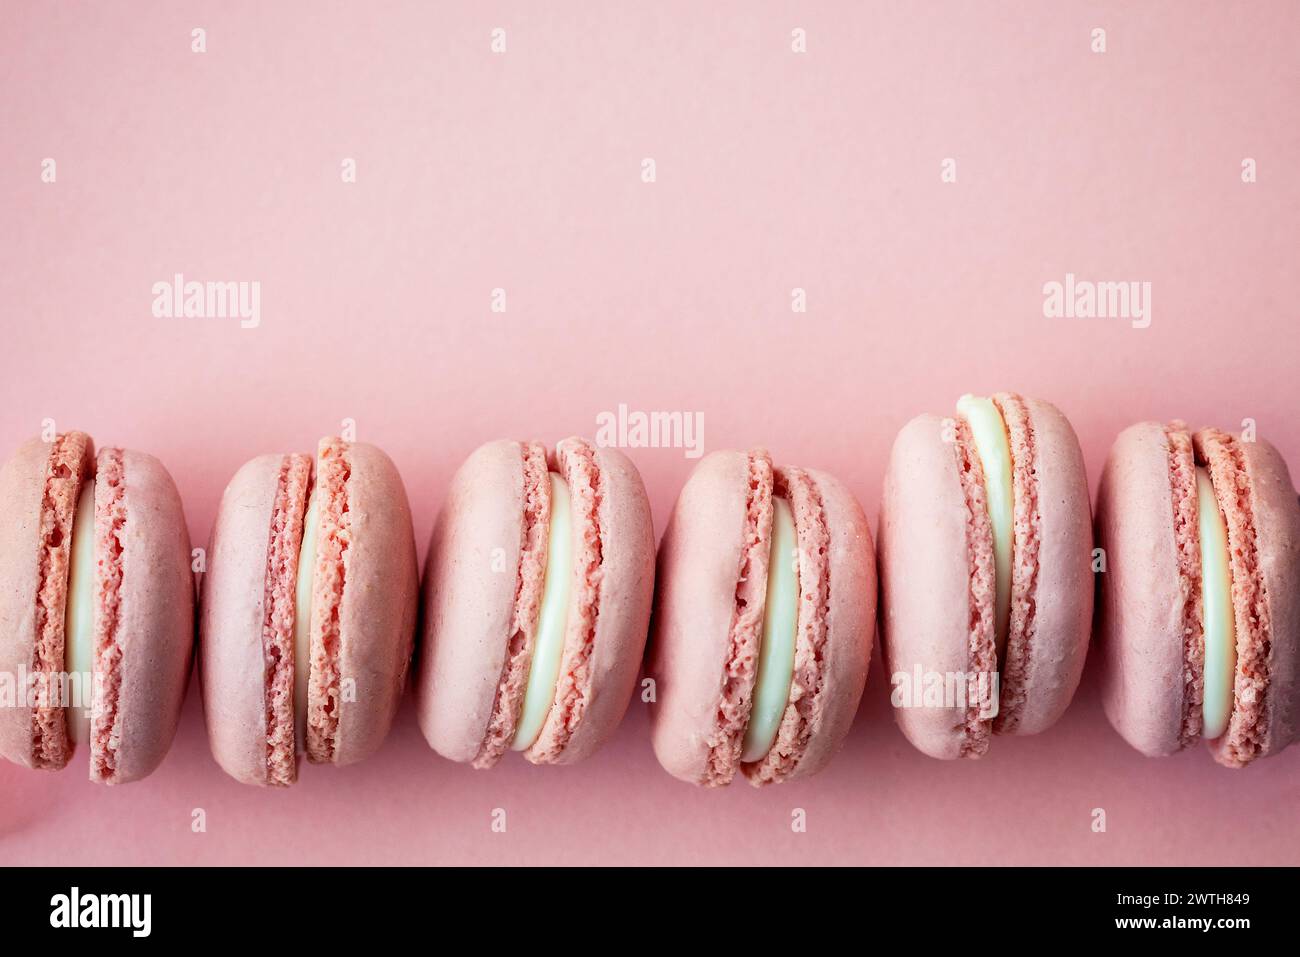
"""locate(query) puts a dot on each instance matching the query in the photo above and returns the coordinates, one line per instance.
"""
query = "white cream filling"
(989, 432)
(79, 617)
(1218, 626)
(552, 619)
(777, 639)
(302, 619)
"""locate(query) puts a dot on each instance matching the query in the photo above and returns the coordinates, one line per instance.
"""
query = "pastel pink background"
(521, 171)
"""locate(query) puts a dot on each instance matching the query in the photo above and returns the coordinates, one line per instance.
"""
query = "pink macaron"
(307, 618)
(986, 576)
(96, 607)
(764, 620)
(536, 598)
(1200, 611)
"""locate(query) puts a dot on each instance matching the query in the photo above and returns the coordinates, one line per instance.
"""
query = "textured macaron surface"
(1239, 473)
(144, 619)
(1053, 583)
(40, 484)
(283, 555)
(529, 581)
(365, 600)
(712, 577)
(330, 566)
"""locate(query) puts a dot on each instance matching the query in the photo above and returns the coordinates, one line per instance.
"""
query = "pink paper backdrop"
(522, 171)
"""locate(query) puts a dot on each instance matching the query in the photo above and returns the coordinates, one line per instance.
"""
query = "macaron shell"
(379, 604)
(924, 578)
(22, 487)
(1141, 617)
(1277, 535)
(155, 630)
(1064, 593)
(469, 590)
(850, 624)
(232, 666)
(627, 570)
(694, 604)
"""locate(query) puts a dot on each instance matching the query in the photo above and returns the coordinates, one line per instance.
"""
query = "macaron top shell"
(39, 485)
(1146, 588)
(482, 587)
(703, 609)
(1056, 608)
(925, 578)
(143, 602)
(712, 574)
(478, 543)
(232, 612)
(379, 604)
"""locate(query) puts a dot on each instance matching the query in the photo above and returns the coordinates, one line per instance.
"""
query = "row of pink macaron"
(541, 585)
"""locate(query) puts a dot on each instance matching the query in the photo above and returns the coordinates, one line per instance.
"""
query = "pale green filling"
(1216, 609)
(776, 643)
(544, 672)
(990, 434)
(302, 619)
(79, 616)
